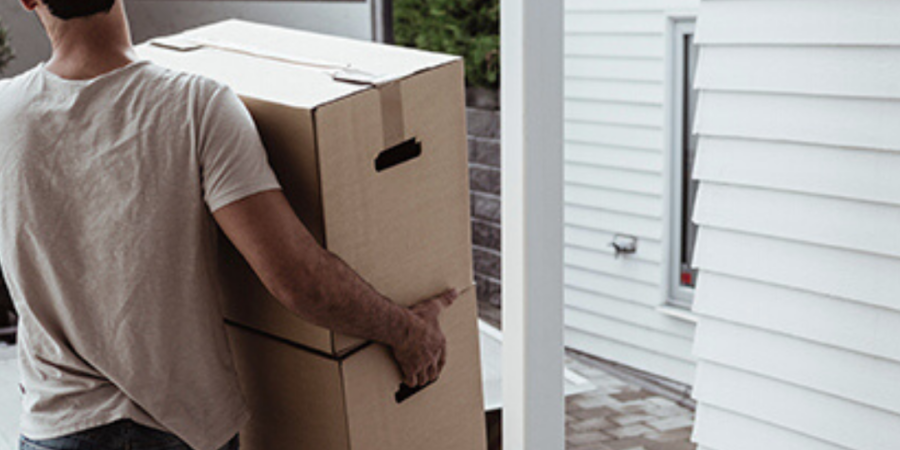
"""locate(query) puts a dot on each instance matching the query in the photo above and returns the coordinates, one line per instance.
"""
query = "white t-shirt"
(108, 246)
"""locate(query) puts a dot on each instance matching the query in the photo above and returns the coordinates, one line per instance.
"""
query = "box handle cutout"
(405, 392)
(398, 154)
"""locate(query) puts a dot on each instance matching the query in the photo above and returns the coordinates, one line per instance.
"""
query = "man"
(114, 174)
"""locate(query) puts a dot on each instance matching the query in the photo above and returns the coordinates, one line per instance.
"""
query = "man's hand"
(422, 350)
(317, 285)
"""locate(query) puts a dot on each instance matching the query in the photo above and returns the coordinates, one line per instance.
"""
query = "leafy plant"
(468, 28)
(6, 52)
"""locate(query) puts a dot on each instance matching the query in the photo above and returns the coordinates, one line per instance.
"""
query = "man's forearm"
(334, 296)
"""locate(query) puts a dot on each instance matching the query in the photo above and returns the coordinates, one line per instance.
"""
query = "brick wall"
(484, 169)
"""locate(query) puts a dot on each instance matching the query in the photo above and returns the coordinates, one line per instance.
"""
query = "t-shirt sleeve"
(233, 161)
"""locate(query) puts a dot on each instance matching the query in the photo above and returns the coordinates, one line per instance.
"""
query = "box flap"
(299, 68)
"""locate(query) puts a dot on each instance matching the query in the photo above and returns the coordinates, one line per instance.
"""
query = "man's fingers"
(410, 380)
(423, 378)
(443, 361)
(433, 373)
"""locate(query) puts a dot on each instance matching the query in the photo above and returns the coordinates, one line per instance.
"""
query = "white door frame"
(532, 197)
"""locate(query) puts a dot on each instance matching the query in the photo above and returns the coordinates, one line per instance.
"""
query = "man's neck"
(87, 63)
(90, 47)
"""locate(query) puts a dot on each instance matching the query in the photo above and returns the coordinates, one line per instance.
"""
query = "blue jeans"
(120, 435)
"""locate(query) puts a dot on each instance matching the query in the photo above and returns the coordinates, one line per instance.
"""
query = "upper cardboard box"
(302, 69)
(369, 144)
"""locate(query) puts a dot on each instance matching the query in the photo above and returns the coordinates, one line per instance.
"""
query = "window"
(681, 149)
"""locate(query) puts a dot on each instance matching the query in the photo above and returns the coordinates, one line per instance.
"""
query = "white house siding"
(615, 91)
(799, 211)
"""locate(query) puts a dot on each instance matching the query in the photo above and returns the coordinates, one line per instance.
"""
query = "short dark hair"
(70, 9)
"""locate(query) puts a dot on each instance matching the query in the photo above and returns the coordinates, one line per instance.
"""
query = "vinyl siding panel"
(726, 429)
(847, 122)
(799, 22)
(805, 218)
(615, 184)
(796, 408)
(613, 200)
(614, 157)
(634, 21)
(840, 373)
(636, 181)
(629, 69)
(629, 92)
(801, 314)
(798, 209)
(620, 114)
(811, 169)
(869, 72)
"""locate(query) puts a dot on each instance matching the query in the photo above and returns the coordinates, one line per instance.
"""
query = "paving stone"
(634, 430)
(631, 395)
(588, 437)
(631, 419)
(660, 401)
(596, 423)
(590, 402)
(672, 423)
(680, 435)
(638, 443)
(589, 446)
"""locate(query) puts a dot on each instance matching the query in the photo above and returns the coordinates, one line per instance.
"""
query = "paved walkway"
(619, 414)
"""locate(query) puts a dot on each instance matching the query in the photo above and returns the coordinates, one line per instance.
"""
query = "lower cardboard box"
(307, 400)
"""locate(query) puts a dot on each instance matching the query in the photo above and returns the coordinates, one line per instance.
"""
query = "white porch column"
(532, 164)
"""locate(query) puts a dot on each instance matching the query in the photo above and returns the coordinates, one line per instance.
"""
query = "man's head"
(100, 24)
(72, 9)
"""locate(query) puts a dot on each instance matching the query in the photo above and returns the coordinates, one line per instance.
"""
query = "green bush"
(468, 28)
(6, 53)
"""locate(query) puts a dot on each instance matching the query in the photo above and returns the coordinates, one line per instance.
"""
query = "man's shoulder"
(182, 78)
(18, 89)
(19, 79)
(184, 84)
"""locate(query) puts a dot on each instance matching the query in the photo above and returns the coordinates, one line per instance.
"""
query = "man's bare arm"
(318, 286)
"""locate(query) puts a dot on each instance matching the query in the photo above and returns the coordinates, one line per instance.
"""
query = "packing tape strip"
(393, 122)
(339, 72)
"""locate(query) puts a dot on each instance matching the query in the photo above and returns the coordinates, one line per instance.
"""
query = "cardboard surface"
(296, 396)
(370, 146)
(405, 228)
(304, 400)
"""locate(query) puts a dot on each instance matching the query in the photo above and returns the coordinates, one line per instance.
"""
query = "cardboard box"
(370, 146)
(369, 143)
(304, 400)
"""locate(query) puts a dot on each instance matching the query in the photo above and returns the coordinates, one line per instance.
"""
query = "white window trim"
(675, 296)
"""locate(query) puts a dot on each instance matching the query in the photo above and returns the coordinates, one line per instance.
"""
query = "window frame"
(678, 26)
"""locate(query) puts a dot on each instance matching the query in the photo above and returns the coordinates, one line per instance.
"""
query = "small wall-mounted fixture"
(624, 244)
